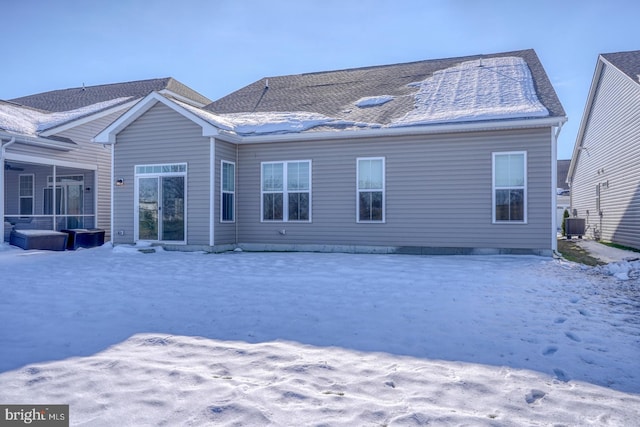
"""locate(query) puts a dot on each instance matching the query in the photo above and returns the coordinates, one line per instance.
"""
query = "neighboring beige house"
(604, 175)
(53, 177)
(454, 155)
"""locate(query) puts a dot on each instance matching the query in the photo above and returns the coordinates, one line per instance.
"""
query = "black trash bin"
(84, 238)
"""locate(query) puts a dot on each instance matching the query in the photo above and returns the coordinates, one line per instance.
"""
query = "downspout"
(212, 190)
(112, 184)
(554, 180)
(235, 198)
(2, 154)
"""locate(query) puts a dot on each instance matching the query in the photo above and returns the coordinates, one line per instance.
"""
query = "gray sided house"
(53, 177)
(454, 155)
(604, 175)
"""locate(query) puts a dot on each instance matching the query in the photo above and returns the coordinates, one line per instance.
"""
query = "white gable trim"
(108, 135)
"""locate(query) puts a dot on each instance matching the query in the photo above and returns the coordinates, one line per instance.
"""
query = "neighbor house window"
(371, 193)
(286, 191)
(26, 192)
(510, 187)
(228, 191)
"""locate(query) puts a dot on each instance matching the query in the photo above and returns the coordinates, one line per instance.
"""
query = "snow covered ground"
(292, 339)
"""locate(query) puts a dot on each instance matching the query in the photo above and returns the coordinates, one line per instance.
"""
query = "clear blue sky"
(218, 46)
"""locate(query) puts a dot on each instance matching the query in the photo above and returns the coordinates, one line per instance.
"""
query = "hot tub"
(39, 239)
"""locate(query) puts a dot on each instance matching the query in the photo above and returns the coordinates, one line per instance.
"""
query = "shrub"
(565, 215)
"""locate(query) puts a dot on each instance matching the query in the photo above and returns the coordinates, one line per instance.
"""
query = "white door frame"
(158, 172)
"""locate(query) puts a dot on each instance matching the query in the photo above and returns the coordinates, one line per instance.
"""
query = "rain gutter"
(390, 131)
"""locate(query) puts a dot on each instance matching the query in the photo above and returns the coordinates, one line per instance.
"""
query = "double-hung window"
(286, 191)
(510, 187)
(228, 191)
(26, 192)
(371, 192)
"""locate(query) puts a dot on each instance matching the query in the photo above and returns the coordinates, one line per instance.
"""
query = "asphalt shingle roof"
(627, 62)
(79, 97)
(333, 93)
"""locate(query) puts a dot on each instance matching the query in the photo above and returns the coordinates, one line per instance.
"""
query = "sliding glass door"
(161, 207)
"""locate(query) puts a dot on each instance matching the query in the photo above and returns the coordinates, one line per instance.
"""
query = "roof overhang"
(395, 131)
(40, 142)
(108, 135)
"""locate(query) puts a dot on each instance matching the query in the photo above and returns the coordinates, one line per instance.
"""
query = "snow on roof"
(372, 101)
(485, 89)
(276, 122)
(27, 121)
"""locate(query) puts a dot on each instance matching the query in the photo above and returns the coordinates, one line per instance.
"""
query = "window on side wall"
(510, 187)
(228, 191)
(371, 189)
(286, 191)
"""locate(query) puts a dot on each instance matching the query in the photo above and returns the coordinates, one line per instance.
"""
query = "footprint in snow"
(573, 336)
(534, 395)
(561, 375)
(549, 350)
(560, 320)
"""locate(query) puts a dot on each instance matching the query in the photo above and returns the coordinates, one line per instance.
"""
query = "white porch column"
(3, 147)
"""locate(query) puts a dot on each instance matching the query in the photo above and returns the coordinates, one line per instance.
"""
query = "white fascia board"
(41, 142)
(86, 119)
(595, 82)
(108, 135)
(25, 158)
(395, 131)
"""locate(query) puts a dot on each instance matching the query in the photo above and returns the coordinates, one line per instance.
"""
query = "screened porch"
(48, 197)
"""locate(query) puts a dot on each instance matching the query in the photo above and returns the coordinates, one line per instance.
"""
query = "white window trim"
(384, 191)
(223, 191)
(285, 192)
(33, 193)
(494, 187)
(136, 206)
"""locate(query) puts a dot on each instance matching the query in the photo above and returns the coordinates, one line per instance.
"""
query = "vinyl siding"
(163, 136)
(225, 232)
(611, 161)
(438, 192)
